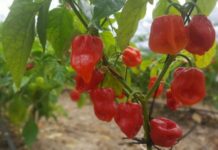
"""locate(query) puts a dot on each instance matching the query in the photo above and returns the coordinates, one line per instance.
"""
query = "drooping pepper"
(103, 100)
(201, 35)
(164, 132)
(75, 95)
(97, 77)
(159, 89)
(86, 52)
(188, 85)
(129, 118)
(168, 35)
(131, 56)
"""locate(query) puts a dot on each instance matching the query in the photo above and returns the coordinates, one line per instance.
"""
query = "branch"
(78, 14)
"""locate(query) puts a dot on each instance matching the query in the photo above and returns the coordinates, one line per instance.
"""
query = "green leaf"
(60, 29)
(42, 22)
(104, 8)
(111, 82)
(132, 12)
(206, 6)
(145, 64)
(18, 36)
(161, 8)
(17, 111)
(205, 60)
(30, 132)
(109, 43)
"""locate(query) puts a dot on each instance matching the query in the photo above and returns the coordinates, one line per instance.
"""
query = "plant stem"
(78, 14)
(146, 125)
(120, 79)
(144, 102)
(189, 61)
(170, 59)
(152, 105)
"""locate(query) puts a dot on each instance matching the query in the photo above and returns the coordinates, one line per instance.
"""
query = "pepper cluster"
(169, 35)
(87, 51)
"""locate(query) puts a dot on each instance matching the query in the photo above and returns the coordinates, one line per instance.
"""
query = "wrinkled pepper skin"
(201, 35)
(131, 57)
(164, 132)
(168, 35)
(103, 100)
(129, 118)
(159, 90)
(97, 78)
(87, 50)
(172, 103)
(188, 85)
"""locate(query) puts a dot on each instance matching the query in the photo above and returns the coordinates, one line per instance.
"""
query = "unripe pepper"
(86, 52)
(168, 35)
(164, 132)
(75, 95)
(159, 89)
(103, 100)
(201, 35)
(97, 77)
(188, 85)
(131, 57)
(129, 118)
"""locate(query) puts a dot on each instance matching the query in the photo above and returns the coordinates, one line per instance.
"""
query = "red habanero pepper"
(159, 89)
(168, 35)
(188, 85)
(103, 100)
(201, 35)
(86, 52)
(172, 103)
(75, 95)
(97, 77)
(131, 57)
(129, 118)
(164, 132)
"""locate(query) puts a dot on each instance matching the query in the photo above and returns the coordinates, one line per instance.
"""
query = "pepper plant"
(94, 37)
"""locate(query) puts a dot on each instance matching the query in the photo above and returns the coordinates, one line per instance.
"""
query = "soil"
(81, 130)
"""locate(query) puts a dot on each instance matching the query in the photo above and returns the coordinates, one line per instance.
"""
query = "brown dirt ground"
(81, 130)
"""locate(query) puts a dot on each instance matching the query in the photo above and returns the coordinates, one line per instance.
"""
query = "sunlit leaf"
(133, 11)
(206, 6)
(206, 59)
(18, 36)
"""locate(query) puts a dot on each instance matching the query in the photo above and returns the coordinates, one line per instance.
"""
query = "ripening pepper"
(103, 100)
(164, 132)
(129, 118)
(30, 66)
(97, 77)
(131, 57)
(188, 85)
(159, 89)
(201, 35)
(172, 103)
(86, 52)
(168, 35)
(75, 95)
